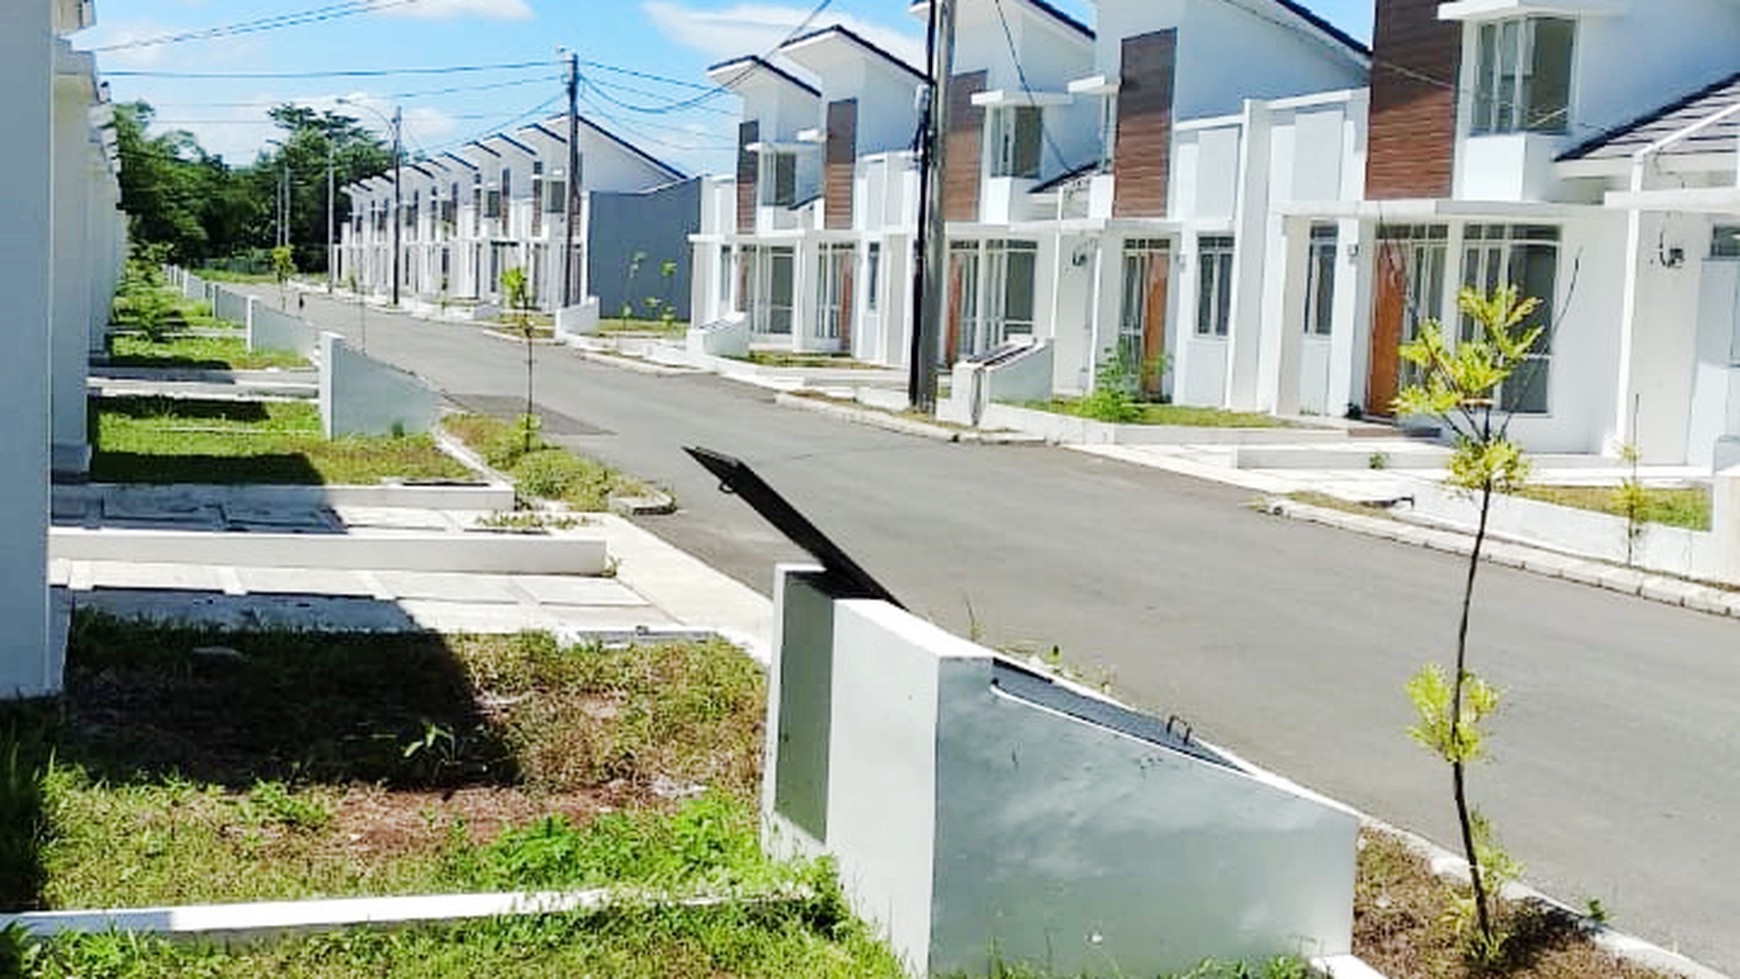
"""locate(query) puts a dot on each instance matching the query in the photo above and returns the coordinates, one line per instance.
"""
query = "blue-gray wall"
(656, 222)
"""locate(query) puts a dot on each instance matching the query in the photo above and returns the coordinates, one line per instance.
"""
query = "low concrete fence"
(1010, 373)
(362, 396)
(230, 305)
(728, 337)
(579, 320)
(193, 287)
(270, 329)
(1708, 556)
(1070, 430)
(979, 810)
(476, 554)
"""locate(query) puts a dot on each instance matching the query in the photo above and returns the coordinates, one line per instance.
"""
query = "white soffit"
(1094, 85)
(1477, 10)
(1003, 97)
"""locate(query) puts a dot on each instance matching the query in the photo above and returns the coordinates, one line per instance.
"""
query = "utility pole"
(331, 211)
(571, 205)
(398, 201)
(930, 251)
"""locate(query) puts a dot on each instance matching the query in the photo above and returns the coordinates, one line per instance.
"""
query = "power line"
(392, 96)
(333, 73)
(317, 15)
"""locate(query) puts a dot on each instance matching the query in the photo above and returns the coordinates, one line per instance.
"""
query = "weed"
(274, 803)
(1378, 461)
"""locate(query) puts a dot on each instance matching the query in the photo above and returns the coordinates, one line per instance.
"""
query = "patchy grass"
(1687, 507)
(545, 472)
(237, 278)
(191, 765)
(811, 938)
(781, 358)
(1166, 414)
(196, 352)
(632, 325)
(1400, 927)
(167, 440)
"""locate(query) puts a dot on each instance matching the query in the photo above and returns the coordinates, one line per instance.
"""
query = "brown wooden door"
(1389, 308)
(952, 341)
(1154, 322)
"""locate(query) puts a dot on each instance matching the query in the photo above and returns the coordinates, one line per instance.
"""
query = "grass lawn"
(780, 358)
(616, 324)
(1688, 507)
(165, 440)
(196, 352)
(240, 278)
(1164, 414)
(546, 472)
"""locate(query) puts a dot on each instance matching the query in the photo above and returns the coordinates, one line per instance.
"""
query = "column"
(70, 318)
(27, 667)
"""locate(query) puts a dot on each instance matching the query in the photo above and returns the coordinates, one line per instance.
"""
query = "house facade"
(467, 215)
(59, 263)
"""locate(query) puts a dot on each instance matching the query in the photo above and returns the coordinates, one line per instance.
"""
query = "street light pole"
(331, 214)
(398, 202)
(572, 196)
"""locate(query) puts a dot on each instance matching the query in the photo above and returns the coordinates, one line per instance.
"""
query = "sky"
(623, 40)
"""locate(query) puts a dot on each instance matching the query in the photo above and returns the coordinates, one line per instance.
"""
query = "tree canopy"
(201, 208)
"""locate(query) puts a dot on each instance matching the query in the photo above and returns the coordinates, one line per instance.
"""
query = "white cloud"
(446, 9)
(755, 28)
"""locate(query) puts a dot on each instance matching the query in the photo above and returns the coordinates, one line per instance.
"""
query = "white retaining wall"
(362, 396)
(577, 321)
(727, 337)
(1070, 430)
(561, 554)
(270, 329)
(977, 813)
(226, 304)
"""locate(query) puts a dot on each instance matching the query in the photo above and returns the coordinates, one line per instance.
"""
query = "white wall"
(27, 666)
(1648, 55)
(362, 396)
(73, 268)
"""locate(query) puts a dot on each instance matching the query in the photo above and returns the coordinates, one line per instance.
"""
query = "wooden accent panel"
(748, 170)
(842, 163)
(966, 139)
(1389, 306)
(1154, 320)
(1144, 140)
(1411, 149)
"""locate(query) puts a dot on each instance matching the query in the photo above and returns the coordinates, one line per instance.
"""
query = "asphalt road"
(1615, 760)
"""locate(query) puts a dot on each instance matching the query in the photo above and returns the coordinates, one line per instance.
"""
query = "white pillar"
(70, 320)
(28, 667)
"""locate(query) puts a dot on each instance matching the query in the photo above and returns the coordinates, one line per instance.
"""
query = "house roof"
(848, 34)
(1335, 33)
(546, 127)
(1041, 6)
(1622, 141)
(1065, 178)
(753, 63)
(516, 144)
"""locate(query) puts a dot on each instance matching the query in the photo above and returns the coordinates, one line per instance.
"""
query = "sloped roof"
(1622, 141)
(846, 33)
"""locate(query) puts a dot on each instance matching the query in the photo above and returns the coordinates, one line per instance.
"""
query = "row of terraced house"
(1239, 193)
(60, 260)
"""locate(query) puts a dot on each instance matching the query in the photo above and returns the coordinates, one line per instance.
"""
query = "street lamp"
(397, 122)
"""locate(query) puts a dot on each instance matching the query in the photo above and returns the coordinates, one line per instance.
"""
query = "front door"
(1409, 290)
(1142, 326)
(963, 325)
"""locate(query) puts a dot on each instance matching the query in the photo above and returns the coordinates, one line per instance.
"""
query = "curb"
(1447, 865)
(659, 504)
(1551, 564)
(634, 364)
(904, 426)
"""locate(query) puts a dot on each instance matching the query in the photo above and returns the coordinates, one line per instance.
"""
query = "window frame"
(1508, 75)
(1017, 151)
(1215, 256)
(1495, 255)
(1322, 253)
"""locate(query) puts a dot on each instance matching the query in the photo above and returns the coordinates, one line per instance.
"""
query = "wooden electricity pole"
(931, 248)
(571, 197)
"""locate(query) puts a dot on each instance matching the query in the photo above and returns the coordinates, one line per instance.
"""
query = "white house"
(1514, 142)
(59, 262)
(467, 215)
(812, 241)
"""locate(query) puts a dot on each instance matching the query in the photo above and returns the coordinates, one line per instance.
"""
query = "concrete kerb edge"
(1451, 866)
(1663, 589)
(659, 503)
(905, 426)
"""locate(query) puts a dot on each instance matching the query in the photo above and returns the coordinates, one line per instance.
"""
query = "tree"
(313, 140)
(517, 297)
(1459, 388)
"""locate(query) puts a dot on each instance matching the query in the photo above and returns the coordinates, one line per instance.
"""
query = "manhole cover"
(554, 422)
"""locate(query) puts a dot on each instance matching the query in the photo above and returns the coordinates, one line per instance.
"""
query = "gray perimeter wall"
(657, 222)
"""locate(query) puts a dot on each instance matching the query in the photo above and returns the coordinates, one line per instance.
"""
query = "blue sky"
(675, 39)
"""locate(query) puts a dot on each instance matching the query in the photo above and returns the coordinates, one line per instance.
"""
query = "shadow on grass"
(160, 407)
(148, 702)
(26, 746)
(280, 469)
(169, 363)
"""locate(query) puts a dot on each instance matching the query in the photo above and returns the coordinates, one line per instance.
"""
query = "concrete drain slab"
(553, 590)
(280, 519)
(391, 518)
(148, 514)
(472, 589)
(130, 576)
(305, 581)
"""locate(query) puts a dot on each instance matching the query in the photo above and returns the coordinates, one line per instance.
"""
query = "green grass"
(325, 765)
(546, 472)
(243, 278)
(616, 324)
(196, 352)
(165, 440)
(1165, 414)
(1685, 507)
(780, 358)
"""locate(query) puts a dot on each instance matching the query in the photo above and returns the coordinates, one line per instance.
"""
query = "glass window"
(1016, 135)
(1527, 257)
(873, 277)
(1523, 76)
(1725, 241)
(1108, 132)
(1013, 269)
(1320, 280)
(1214, 257)
(537, 198)
(834, 291)
(781, 187)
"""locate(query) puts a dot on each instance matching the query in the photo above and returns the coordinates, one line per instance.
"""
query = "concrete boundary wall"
(578, 320)
(270, 329)
(980, 810)
(362, 396)
(1069, 430)
(563, 554)
(464, 498)
(227, 304)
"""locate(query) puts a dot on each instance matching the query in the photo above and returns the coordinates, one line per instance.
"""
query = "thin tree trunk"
(1456, 765)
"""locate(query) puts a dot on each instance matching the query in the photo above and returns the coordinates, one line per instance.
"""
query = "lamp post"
(397, 122)
(331, 214)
